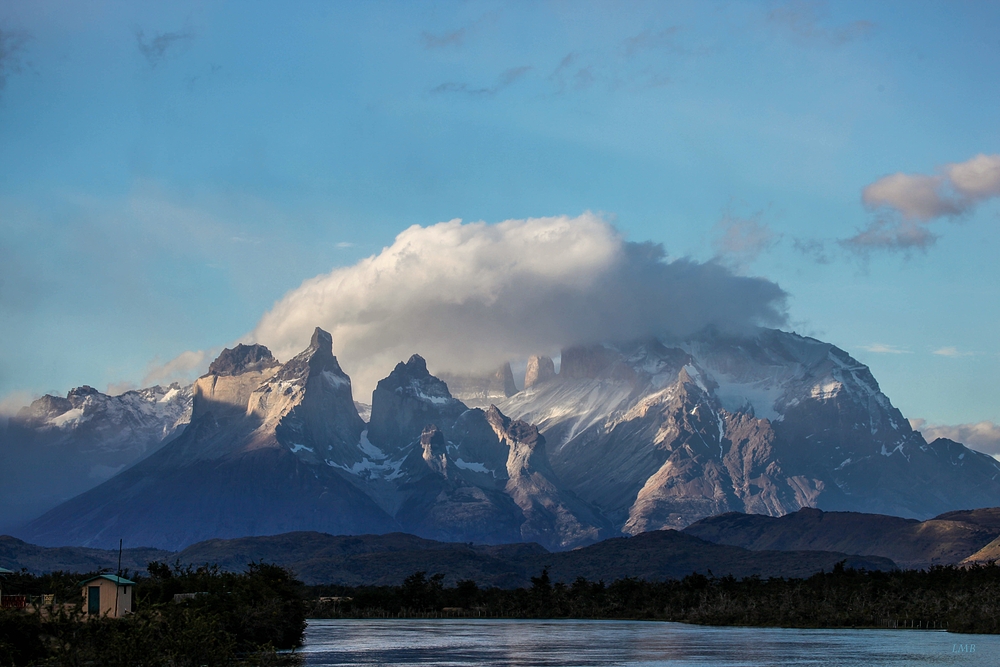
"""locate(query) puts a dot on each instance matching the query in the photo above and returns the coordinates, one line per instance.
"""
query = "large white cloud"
(469, 296)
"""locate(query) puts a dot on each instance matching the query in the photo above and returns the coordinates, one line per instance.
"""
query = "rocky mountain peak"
(416, 365)
(321, 340)
(511, 431)
(540, 369)
(81, 393)
(408, 399)
(308, 405)
(242, 359)
(314, 360)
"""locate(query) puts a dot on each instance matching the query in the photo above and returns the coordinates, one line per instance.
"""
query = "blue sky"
(168, 171)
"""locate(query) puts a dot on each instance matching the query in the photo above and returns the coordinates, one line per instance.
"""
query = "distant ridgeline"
(622, 440)
(742, 545)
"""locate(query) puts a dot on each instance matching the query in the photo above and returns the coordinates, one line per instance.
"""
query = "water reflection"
(514, 643)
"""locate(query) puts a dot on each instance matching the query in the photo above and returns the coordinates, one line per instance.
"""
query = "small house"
(108, 595)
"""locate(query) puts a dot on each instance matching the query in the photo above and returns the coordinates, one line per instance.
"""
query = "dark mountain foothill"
(945, 540)
(389, 559)
(16, 555)
(319, 558)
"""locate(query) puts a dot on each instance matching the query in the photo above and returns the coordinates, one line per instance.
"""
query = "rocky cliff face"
(58, 447)
(660, 436)
(553, 515)
(538, 370)
(226, 388)
(308, 407)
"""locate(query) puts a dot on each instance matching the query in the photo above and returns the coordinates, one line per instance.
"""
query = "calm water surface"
(512, 642)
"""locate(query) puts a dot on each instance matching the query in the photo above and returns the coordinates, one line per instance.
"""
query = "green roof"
(4, 570)
(121, 581)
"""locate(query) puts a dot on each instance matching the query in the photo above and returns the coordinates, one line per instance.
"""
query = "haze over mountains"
(624, 439)
(57, 447)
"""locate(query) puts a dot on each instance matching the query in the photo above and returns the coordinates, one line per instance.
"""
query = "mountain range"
(620, 439)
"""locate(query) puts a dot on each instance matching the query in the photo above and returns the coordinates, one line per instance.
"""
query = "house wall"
(108, 591)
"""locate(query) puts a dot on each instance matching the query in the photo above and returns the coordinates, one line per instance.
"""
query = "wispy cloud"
(982, 436)
(880, 348)
(651, 39)
(345, 244)
(572, 74)
(739, 241)
(951, 351)
(905, 204)
(806, 22)
(450, 38)
(11, 404)
(890, 234)
(505, 80)
(456, 37)
(12, 44)
(183, 368)
(119, 388)
(636, 62)
(815, 249)
(154, 49)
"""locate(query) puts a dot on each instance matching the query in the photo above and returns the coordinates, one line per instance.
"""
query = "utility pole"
(118, 582)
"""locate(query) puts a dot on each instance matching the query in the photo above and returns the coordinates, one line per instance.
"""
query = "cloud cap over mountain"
(468, 295)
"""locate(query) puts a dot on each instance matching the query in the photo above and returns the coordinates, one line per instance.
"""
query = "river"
(570, 642)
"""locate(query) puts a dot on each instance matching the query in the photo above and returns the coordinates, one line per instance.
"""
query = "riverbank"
(965, 600)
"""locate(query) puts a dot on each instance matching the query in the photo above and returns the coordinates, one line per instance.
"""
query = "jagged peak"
(417, 364)
(82, 392)
(406, 400)
(514, 430)
(414, 379)
(540, 369)
(242, 359)
(321, 340)
(315, 359)
(497, 419)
